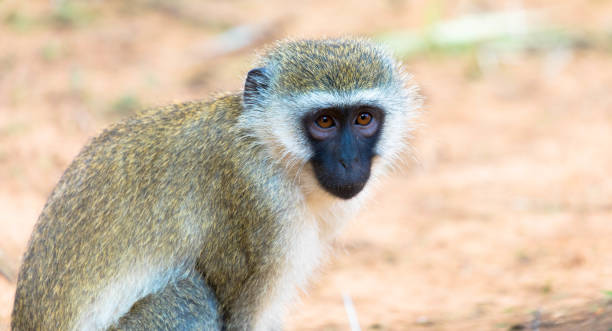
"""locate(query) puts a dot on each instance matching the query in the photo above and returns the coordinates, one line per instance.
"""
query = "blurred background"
(501, 221)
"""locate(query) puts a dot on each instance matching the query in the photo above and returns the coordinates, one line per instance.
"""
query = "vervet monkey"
(209, 215)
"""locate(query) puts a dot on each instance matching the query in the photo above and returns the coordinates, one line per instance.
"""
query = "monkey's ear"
(256, 86)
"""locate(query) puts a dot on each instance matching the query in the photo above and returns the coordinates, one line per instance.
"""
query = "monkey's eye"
(325, 121)
(363, 118)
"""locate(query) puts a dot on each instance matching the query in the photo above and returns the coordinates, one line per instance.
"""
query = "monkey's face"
(343, 140)
(327, 100)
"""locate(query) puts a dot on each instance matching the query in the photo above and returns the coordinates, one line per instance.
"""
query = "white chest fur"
(307, 241)
(303, 254)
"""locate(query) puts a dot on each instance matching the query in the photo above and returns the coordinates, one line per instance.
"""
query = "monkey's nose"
(346, 164)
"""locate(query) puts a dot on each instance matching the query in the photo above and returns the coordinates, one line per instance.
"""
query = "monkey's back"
(130, 209)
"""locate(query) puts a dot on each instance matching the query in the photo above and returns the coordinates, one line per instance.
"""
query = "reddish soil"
(503, 221)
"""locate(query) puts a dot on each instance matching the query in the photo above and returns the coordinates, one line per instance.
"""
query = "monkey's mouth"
(344, 186)
(340, 181)
(346, 191)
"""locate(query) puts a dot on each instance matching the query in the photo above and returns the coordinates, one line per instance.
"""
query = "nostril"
(343, 164)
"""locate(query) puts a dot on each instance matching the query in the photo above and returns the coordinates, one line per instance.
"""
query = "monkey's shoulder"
(158, 127)
(179, 136)
(225, 107)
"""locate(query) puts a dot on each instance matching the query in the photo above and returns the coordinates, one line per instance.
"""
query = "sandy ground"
(501, 222)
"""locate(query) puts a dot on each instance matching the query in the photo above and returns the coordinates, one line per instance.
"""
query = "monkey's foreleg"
(187, 304)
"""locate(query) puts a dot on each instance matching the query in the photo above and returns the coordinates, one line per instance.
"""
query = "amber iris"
(325, 121)
(364, 119)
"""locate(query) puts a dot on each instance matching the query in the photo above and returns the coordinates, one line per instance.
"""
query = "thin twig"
(535, 322)
(350, 312)
(6, 268)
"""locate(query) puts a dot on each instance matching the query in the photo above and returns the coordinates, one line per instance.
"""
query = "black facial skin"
(343, 140)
